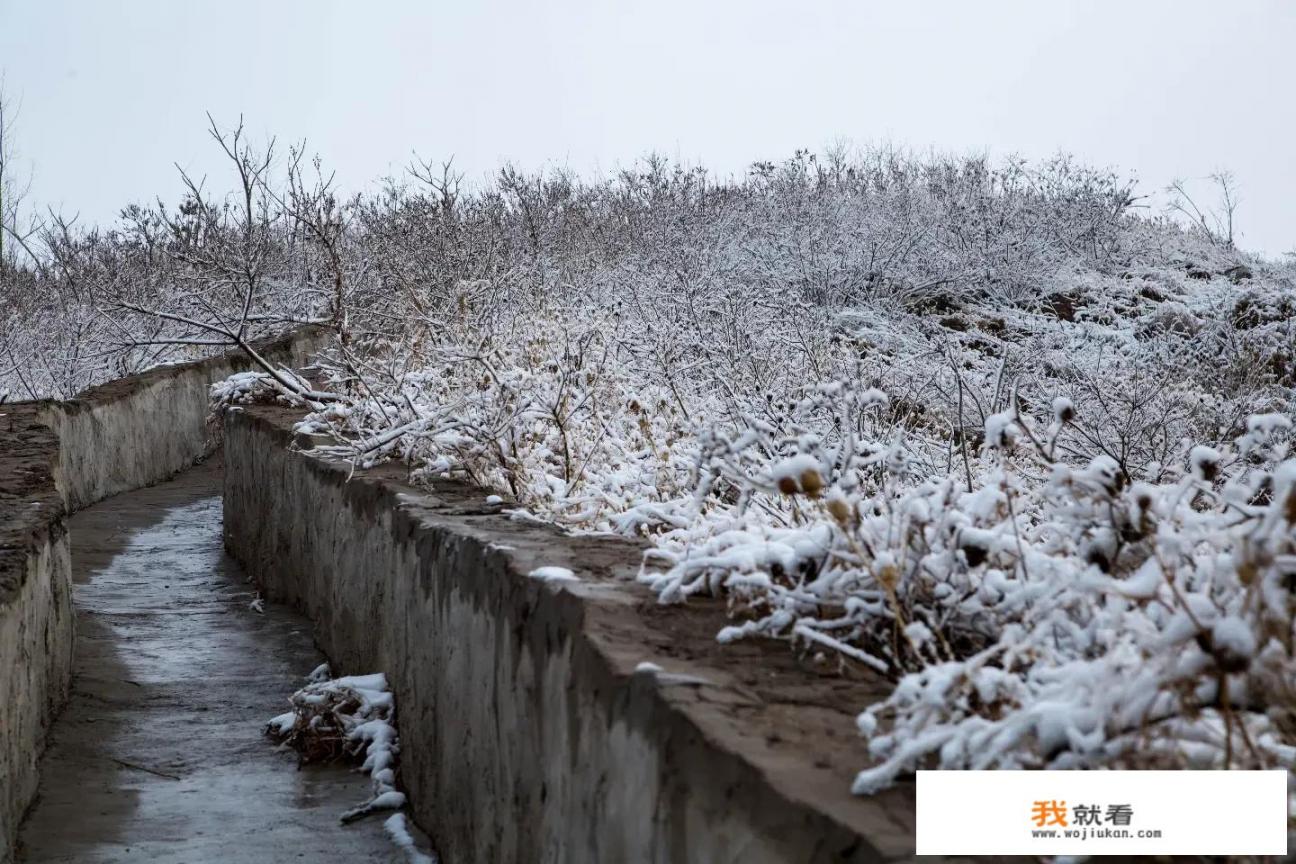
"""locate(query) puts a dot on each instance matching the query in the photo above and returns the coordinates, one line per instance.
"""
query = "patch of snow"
(1235, 636)
(397, 827)
(553, 574)
(669, 678)
(1204, 461)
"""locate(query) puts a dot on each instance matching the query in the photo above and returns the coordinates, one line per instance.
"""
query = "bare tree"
(6, 149)
(314, 208)
(225, 251)
(445, 183)
(1216, 222)
(12, 189)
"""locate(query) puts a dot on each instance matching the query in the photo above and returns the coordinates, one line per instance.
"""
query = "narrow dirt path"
(159, 756)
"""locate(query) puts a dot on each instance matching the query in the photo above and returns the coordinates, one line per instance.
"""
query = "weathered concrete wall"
(35, 606)
(528, 734)
(55, 458)
(135, 431)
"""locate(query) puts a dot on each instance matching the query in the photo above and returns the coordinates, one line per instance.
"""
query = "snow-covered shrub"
(904, 413)
(352, 718)
(908, 465)
(1050, 616)
(1140, 625)
(555, 422)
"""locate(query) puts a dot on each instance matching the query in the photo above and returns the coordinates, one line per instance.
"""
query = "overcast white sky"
(114, 93)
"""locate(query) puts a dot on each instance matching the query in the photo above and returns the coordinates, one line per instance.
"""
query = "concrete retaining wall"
(529, 730)
(55, 458)
(35, 605)
(135, 431)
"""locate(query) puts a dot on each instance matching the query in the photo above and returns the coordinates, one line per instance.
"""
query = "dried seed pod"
(1063, 410)
(841, 512)
(888, 576)
(1204, 462)
(811, 483)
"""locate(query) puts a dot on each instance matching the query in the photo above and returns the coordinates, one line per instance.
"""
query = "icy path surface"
(159, 755)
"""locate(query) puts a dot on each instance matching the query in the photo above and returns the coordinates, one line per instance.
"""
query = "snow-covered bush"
(353, 718)
(1180, 656)
(1049, 616)
(979, 427)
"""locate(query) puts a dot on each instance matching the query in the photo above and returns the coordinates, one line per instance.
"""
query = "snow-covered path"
(159, 755)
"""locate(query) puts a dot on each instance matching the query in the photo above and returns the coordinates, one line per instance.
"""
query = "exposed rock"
(1170, 317)
(1255, 309)
(954, 322)
(993, 326)
(935, 304)
(1150, 292)
(1238, 273)
(1063, 305)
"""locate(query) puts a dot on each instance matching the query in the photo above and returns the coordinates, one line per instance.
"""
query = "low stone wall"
(530, 732)
(55, 458)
